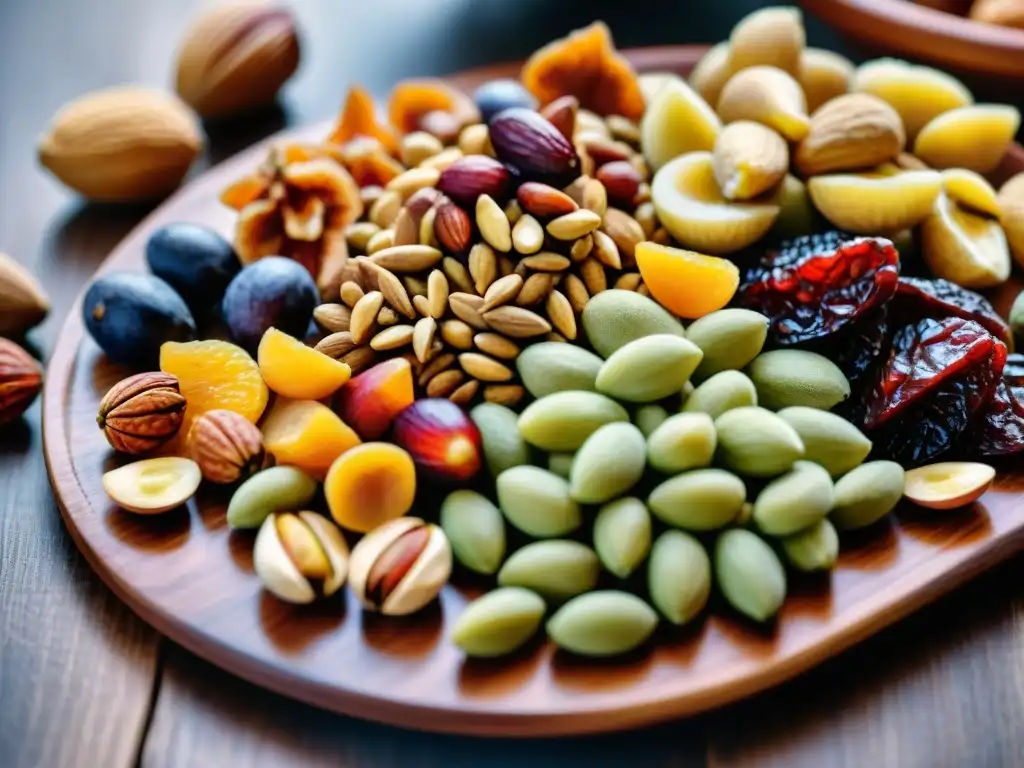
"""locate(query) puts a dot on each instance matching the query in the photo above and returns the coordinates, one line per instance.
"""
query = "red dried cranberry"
(814, 286)
(998, 429)
(917, 297)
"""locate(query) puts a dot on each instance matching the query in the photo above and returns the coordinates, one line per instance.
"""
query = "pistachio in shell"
(749, 574)
(622, 535)
(608, 464)
(602, 623)
(813, 549)
(300, 556)
(754, 441)
(788, 377)
(720, 393)
(498, 623)
(502, 444)
(614, 318)
(684, 441)
(678, 576)
(866, 494)
(729, 339)
(537, 502)
(829, 440)
(475, 529)
(649, 369)
(794, 501)
(700, 500)
(552, 366)
(556, 569)
(564, 420)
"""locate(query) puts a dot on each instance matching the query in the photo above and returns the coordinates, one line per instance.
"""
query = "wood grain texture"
(191, 578)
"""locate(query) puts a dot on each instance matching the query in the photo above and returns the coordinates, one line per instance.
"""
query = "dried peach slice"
(586, 65)
(369, 162)
(410, 100)
(973, 137)
(886, 200)
(691, 207)
(965, 248)
(684, 282)
(371, 401)
(369, 485)
(306, 434)
(919, 94)
(711, 73)
(971, 190)
(948, 484)
(294, 370)
(677, 121)
(359, 118)
(823, 76)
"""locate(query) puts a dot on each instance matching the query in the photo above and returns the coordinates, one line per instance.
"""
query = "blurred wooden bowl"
(936, 31)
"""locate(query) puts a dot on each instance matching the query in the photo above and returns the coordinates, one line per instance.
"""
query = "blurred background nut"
(23, 302)
(236, 57)
(21, 379)
(121, 144)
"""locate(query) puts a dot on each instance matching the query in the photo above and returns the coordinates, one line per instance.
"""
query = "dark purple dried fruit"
(857, 347)
(527, 142)
(918, 297)
(998, 429)
(474, 175)
(817, 285)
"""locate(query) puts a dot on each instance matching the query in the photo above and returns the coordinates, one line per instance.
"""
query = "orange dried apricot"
(306, 434)
(412, 99)
(294, 370)
(215, 375)
(371, 401)
(369, 485)
(359, 118)
(369, 162)
(585, 64)
(687, 283)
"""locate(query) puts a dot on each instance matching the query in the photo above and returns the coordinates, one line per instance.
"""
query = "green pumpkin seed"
(622, 535)
(563, 421)
(561, 463)
(756, 442)
(552, 366)
(648, 369)
(278, 489)
(679, 576)
(794, 501)
(701, 500)
(749, 574)
(503, 446)
(867, 494)
(813, 549)
(788, 377)
(829, 440)
(475, 529)
(720, 393)
(537, 502)
(603, 623)
(608, 464)
(498, 623)
(684, 441)
(614, 318)
(648, 418)
(729, 339)
(556, 569)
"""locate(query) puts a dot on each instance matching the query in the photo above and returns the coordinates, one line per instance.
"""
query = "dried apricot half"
(687, 283)
(359, 118)
(412, 99)
(294, 370)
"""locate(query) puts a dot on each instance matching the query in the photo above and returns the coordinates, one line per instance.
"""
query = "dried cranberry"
(998, 429)
(917, 297)
(817, 285)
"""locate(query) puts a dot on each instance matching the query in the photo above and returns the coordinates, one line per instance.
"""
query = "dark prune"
(273, 292)
(998, 429)
(917, 297)
(938, 374)
(857, 347)
(816, 286)
(195, 260)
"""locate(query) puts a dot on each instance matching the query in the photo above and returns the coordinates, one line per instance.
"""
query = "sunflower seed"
(332, 318)
(536, 287)
(380, 241)
(504, 394)
(351, 293)
(559, 312)
(484, 368)
(465, 392)
(593, 276)
(505, 266)
(437, 294)
(501, 292)
(422, 305)
(387, 317)
(582, 247)
(358, 235)
(457, 334)
(546, 261)
(434, 367)
(572, 226)
(625, 231)
(413, 180)
(483, 266)
(496, 345)
(457, 275)
(407, 258)
(576, 292)
(364, 315)
(513, 212)
(595, 197)
(406, 231)
(606, 251)
(527, 235)
(336, 345)
(427, 236)
(442, 160)
(493, 224)
(359, 358)
(466, 307)
(628, 281)
(423, 338)
(392, 338)
(395, 293)
(516, 322)
(443, 384)
(385, 209)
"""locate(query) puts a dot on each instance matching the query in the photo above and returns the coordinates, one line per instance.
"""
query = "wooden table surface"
(83, 682)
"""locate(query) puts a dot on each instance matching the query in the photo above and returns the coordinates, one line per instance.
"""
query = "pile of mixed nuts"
(496, 285)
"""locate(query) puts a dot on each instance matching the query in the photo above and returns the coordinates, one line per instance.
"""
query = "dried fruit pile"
(496, 284)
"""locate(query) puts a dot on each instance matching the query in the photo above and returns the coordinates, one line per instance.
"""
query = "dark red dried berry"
(998, 429)
(474, 175)
(817, 285)
(918, 297)
(533, 146)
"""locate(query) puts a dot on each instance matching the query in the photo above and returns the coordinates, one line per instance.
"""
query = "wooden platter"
(191, 578)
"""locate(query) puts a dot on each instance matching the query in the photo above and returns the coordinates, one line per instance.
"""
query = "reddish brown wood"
(192, 579)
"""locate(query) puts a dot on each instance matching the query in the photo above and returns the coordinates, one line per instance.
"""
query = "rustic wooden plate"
(192, 579)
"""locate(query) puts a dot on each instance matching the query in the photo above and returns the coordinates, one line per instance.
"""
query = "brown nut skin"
(21, 379)
(142, 412)
(226, 446)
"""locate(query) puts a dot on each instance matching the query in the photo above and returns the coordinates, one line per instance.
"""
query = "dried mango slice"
(359, 118)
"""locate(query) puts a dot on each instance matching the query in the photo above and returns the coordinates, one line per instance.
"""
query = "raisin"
(917, 297)
(816, 286)
(998, 430)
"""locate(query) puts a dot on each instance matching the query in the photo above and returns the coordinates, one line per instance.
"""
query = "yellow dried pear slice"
(919, 94)
(974, 137)
(970, 190)
(677, 121)
(692, 208)
(884, 200)
(823, 76)
(965, 248)
(772, 36)
(1011, 203)
(769, 96)
(711, 73)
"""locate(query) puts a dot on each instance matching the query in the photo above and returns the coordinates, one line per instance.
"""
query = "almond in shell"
(850, 132)
(749, 159)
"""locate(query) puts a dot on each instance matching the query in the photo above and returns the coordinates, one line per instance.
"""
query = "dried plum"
(857, 347)
(917, 297)
(938, 374)
(998, 429)
(817, 285)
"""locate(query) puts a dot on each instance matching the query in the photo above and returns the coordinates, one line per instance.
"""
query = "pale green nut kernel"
(794, 501)
(678, 576)
(788, 377)
(813, 549)
(475, 529)
(552, 366)
(537, 502)
(649, 417)
(749, 574)
(555, 569)
(649, 369)
(867, 494)
(602, 623)
(563, 421)
(622, 535)
(829, 440)
(608, 464)
(756, 442)
(699, 500)
(560, 464)
(277, 489)
(503, 446)
(720, 393)
(498, 623)
(729, 339)
(684, 441)
(612, 319)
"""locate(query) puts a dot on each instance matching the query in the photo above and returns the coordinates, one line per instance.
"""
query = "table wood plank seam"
(151, 703)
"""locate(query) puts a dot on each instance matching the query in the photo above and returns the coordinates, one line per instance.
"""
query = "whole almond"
(392, 338)
(457, 274)
(526, 140)
(749, 158)
(351, 292)
(484, 368)
(576, 292)
(593, 276)
(122, 144)
(559, 312)
(23, 303)
(337, 345)
(359, 359)
(536, 288)
(624, 231)
(502, 291)
(628, 281)
(236, 57)
(435, 366)
(546, 261)
(466, 307)
(457, 334)
(595, 197)
(444, 383)
(496, 345)
(516, 322)
(452, 228)
(857, 130)
(394, 293)
(423, 337)
(621, 182)
(407, 258)
(437, 294)
(465, 392)
(582, 247)
(544, 201)
(561, 113)
(574, 225)
(474, 175)
(606, 251)
(493, 224)
(364, 316)
(333, 318)
(504, 394)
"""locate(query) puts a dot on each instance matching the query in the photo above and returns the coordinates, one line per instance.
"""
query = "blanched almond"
(749, 159)
(823, 76)
(771, 36)
(974, 137)
(711, 73)
(766, 95)
(850, 132)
